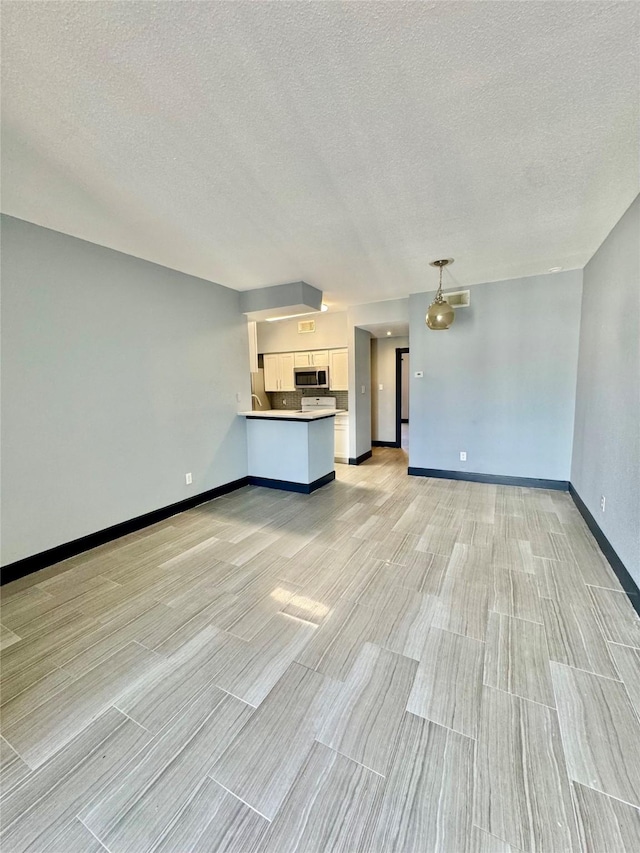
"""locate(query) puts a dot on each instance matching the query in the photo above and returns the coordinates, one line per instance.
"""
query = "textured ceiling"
(345, 144)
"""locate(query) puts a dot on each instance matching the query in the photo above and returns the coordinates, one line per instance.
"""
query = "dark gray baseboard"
(290, 486)
(622, 573)
(384, 444)
(362, 458)
(28, 565)
(499, 479)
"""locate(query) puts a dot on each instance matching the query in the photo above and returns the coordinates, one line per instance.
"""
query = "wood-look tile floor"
(390, 664)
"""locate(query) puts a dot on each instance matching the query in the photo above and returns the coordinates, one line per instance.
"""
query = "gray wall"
(359, 403)
(383, 372)
(500, 383)
(606, 448)
(119, 376)
(283, 335)
(374, 313)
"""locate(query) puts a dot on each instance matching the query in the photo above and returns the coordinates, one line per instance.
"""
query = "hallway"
(392, 663)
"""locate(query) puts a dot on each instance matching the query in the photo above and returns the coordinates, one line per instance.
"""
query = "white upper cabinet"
(279, 368)
(319, 358)
(302, 359)
(339, 370)
(272, 372)
(278, 371)
(286, 372)
(314, 358)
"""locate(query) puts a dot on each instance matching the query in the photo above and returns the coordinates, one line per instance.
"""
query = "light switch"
(362, 389)
(380, 388)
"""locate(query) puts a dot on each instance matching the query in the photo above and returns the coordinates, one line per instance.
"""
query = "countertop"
(291, 414)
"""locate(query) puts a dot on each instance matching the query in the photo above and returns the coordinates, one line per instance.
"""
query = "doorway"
(402, 397)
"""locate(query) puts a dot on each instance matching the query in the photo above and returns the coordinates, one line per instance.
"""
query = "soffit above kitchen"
(345, 144)
(281, 301)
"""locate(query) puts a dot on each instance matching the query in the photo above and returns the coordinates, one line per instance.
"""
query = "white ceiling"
(345, 144)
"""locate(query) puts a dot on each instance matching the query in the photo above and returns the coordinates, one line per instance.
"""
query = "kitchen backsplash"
(293, 399)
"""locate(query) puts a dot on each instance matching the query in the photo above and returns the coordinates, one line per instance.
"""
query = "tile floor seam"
(240, 800)
(350, 758)
(92, 833)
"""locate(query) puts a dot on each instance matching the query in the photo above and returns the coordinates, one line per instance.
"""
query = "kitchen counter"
(292, 414)
(290, 450)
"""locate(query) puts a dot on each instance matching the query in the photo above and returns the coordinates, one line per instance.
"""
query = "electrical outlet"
(188, 479)
(463, 455)
(419, 374)
(603, 501)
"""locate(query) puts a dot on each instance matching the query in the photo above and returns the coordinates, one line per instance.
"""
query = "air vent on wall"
(458, 298)
(306, 326)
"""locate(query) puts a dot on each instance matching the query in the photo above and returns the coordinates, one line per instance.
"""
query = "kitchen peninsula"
(292, 450)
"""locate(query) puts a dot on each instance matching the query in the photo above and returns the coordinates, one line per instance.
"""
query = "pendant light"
(440, 314)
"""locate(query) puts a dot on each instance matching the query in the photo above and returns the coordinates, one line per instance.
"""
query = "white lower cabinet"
(341, 429)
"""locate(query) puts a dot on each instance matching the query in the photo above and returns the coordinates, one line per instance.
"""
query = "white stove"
(312, 404)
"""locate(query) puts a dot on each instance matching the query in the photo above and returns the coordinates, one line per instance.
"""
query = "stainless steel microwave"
(311, 377)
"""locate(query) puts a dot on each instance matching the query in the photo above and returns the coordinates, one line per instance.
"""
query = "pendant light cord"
(439, 297)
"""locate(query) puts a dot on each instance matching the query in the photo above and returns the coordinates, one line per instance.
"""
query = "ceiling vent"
(458, 298)
(306, 326)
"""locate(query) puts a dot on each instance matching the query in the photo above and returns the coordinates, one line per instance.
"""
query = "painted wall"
(283, 335)
(606, 448)
(119, 376)
(383, 372)
(359, 402)
(500, 383)
(372, 313)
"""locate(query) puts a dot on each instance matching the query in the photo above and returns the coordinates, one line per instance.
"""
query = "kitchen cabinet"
(278, 368)
(341, 438)
(278, 371)
(301, 359)
(339, 370)
(287, 380)
(313, 358)
(271, 372)
(319, 358)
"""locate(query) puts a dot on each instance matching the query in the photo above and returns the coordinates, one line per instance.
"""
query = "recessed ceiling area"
(343, 144)
(382, 330)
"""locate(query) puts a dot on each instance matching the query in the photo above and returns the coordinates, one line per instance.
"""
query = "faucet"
(257, 398)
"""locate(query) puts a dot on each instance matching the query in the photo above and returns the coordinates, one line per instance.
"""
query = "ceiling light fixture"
(440, 314)
(289, 316)
(388, 334)
(555, 269)
(324, 307)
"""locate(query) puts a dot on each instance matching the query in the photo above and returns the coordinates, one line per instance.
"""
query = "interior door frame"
(399, 353)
